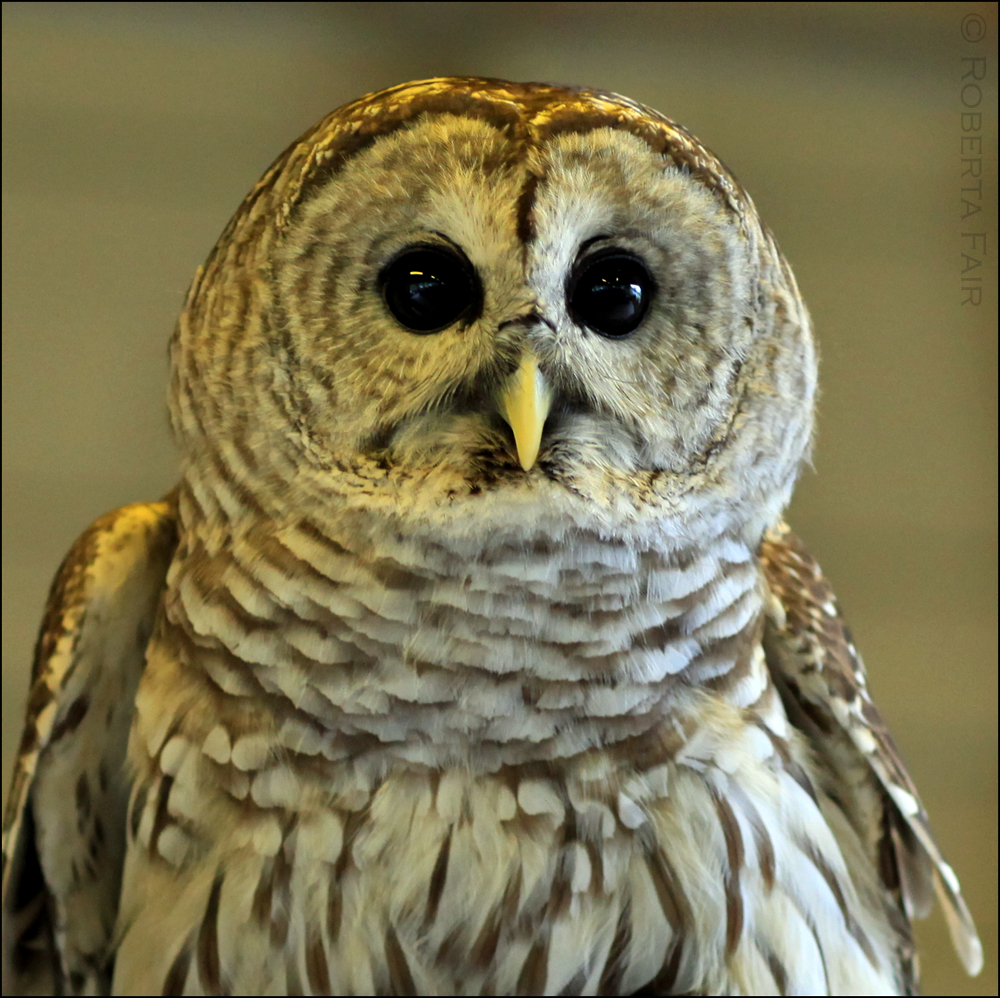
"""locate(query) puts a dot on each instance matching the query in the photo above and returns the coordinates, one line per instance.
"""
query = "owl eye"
(610, 293)
(427, 288)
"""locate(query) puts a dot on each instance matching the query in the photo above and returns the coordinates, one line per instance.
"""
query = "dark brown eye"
(610, 293)
(428, 288)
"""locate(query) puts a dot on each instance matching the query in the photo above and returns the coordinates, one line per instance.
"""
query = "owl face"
(463, 295)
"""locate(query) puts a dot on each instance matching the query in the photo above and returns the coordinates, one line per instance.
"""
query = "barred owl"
(471, 653)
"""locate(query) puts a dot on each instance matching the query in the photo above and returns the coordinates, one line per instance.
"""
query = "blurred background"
(131, 131)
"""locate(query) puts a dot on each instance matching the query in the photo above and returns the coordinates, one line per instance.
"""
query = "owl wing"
(64, 830)
(822, 681)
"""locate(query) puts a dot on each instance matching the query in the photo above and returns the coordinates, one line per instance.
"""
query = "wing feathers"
(63, 838)
(822, 680)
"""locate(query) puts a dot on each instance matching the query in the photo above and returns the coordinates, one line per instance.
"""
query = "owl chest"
(449, 883)
(440, 884)
(470, 814)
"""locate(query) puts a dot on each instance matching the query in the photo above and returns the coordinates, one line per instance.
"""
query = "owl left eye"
(427, 288)
(610, 293)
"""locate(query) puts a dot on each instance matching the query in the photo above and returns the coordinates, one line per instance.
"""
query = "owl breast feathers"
(471, 654)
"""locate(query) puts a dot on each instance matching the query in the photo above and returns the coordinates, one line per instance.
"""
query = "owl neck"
(530, 646)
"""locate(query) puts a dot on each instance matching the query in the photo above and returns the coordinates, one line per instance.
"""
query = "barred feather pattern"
(356, 774)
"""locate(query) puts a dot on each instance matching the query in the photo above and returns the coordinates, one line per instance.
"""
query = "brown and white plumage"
(484, 662)
(64, 830)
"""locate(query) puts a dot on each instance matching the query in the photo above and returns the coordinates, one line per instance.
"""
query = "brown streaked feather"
(614, 965)
(61, 842)
(400, 979)
(176, 978)
(735, 853)
(822, 682)
(209, 972)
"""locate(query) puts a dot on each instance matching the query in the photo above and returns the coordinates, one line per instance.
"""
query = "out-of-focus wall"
(132, 131)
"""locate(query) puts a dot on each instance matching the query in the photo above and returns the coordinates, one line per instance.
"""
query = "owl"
(471, 654)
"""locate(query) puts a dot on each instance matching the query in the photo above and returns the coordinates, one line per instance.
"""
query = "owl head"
(496, 306)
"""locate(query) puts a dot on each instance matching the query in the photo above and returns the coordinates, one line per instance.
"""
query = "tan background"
(132, 131)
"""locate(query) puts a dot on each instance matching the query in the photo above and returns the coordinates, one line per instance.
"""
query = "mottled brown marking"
(614, 965)
(293, 983)
(663, 136)
(525, 204)
(65, 609)
(527, 114)
(530, 692)
(71, 721)
(334, 909)
(789, 764)
(436, 886)
(317, 969)
(815, 640)
(38, 698)
(354, 140)
(810, 852)
(207, 577)
(531, 980)
(503, 915)
(394, 576)
(726, 682)
(261, 905)
(173, 983)
(485, 947)
(778, 971)
(665, 981)
(596, 867)
(243, 449)
(332, 263)
(449, 945)
(837, 891)
(400, 978)
(659, 636)
(82, 802)
(161, 817)
(574, 986)
(209, 966)
(670, 893)
(281, 878)
(765, 854)
(187, 651)
(323, 541)
(889, 848)
(561, 893)
(817, 714)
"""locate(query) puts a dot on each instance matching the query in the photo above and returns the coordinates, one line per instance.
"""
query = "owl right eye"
(428, 288)
(610, 293)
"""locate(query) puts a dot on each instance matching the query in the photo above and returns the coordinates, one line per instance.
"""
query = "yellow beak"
(525, 405)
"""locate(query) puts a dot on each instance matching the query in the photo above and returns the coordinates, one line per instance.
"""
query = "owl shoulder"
(64, 826)
(821, 678)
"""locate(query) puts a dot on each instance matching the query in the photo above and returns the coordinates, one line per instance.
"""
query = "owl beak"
(525, 405)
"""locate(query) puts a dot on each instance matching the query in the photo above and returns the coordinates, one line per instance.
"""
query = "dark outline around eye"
(468, 314)
(583, 265)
